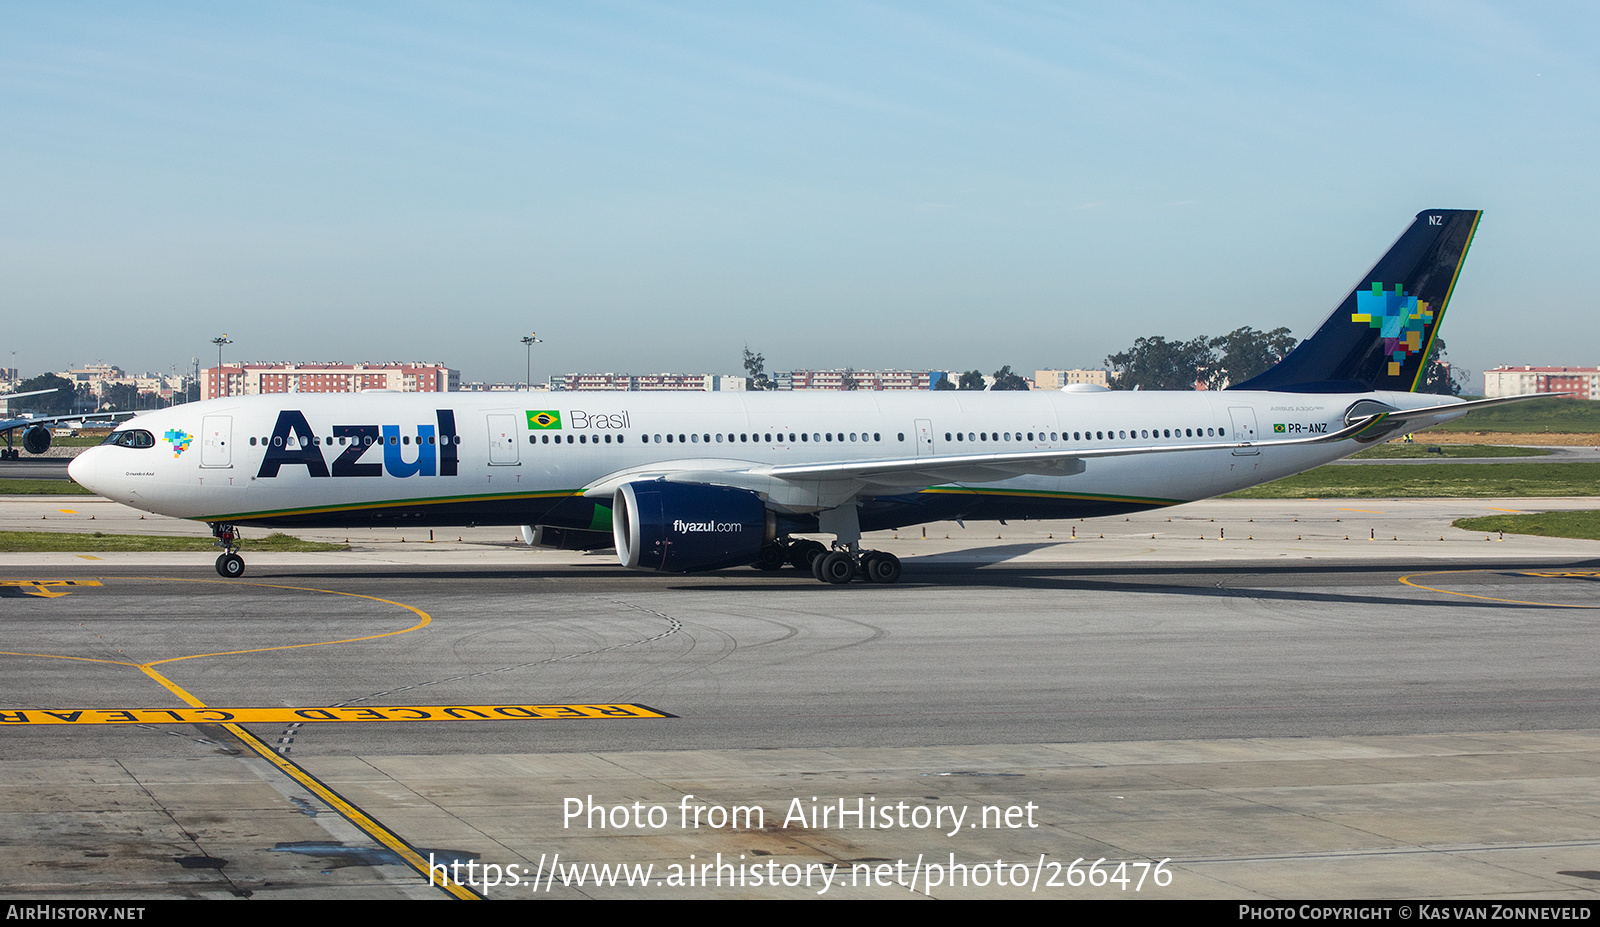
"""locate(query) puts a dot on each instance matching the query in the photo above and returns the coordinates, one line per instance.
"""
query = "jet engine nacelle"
(688, 527)
(36, 440)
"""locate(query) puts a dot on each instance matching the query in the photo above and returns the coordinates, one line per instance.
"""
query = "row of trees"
(1004, 378)
(1213, 363)
(1156, 363)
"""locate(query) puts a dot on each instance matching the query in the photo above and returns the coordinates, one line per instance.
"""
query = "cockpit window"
(133, 437)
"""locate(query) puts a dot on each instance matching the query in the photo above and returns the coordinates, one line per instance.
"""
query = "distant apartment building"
(1582, 382)
(1057, 379)
(781, 380)
(251, 379)
(646, 382)
(93, 373)
(97, 380)
(863, 379)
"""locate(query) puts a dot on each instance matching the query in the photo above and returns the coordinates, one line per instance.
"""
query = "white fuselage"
(488, 458)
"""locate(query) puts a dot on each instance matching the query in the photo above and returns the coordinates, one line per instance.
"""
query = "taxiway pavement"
(1301, 699)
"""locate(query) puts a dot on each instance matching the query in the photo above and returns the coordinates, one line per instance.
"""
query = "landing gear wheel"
(772, 557)
(838, 568)
(230, 565)
(803, 553)
(880, 567)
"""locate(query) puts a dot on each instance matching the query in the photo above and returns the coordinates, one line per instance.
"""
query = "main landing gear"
(229, 564)
(838, 565)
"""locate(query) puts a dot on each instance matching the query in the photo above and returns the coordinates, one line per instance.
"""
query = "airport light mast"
(219, 342)
(527, 376)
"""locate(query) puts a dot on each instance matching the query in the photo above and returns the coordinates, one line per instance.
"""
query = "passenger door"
(1244, 429)
(503, 435)
(216, 441)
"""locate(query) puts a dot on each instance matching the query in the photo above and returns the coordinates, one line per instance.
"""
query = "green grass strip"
(42, 488)
(1470, 481)
(1422, 449)
(1585, 525)
(64, 542)
(1557, 415)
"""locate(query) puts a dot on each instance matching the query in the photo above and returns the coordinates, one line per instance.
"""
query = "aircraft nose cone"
(83, 468)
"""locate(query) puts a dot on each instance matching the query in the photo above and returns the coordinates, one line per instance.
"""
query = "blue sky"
(652, 186)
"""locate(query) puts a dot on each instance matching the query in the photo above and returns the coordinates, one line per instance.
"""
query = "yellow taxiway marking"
(1494, 509)
(67, 511)
(1489, 598)
(368, 824)
(89, 557)
(212, 715)
(1368, 511)
(46, 588)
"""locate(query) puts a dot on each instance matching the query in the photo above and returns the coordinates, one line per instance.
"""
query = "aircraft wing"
(7, 397)
(811, 486)
(14, 423)
(991, 467)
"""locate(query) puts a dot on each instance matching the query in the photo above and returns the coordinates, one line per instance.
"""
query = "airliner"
(681, 482)
(35, 429)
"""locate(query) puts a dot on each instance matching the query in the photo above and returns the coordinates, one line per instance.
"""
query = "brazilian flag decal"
(544, 421)
(1279, 429)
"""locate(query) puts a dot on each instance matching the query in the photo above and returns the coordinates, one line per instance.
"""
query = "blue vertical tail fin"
(1381, 334)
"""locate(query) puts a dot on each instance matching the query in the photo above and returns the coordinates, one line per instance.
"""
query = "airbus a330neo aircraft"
(684, 482)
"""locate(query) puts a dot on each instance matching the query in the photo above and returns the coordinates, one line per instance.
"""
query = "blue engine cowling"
(36, 440)
(688, 527)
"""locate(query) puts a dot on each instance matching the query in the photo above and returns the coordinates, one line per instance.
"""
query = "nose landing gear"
(229, 564)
